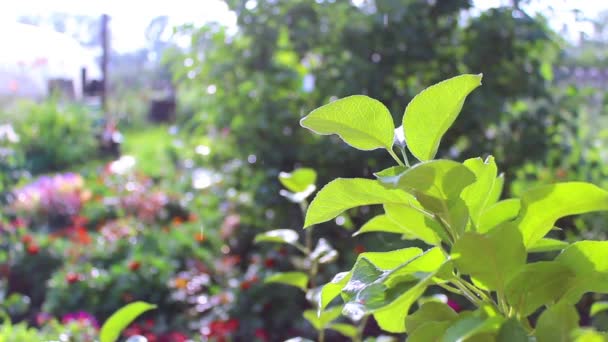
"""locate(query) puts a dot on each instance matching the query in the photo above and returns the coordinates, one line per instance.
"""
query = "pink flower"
(80, 317)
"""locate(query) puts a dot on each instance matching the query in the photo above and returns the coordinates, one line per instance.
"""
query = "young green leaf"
(381, 223)
(429, 115)
(299, 180)
(111, 329)
(477, 196)
(391, 175)
(500, 212)
(490, 258)
(442, 179)
(322, 320)
(538, 284)
(383, 260)
(557, 323)
(346, 193)
(589, 261)
(297, 279)
(362, 122)
(544, 205)
(547, 245)
(414, 223)
(471, 325)
(430, 312)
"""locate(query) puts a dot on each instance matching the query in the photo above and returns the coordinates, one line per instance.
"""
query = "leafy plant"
(111, 329)
(480, 246)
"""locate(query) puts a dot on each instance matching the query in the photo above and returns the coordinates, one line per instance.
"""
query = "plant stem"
(450, 288)
(322, 335)
(392, 153)
(312, 272)
(404, 154)
(361, 329)
(468, 294)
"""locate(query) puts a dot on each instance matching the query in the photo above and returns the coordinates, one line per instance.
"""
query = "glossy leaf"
(544, 205)
(471, 325)
(414, 223)
(299, 180)
(287, 236)
(538, 284)
(332, 289)
(589, 261)
(547, 245)
(557, 323)
(477, 195)
(362, 122)
(430, 113)
(442, 179)
(297, 279)
(381, 223)
(346, 193)
(113, 327)
(430, 312)
(490, 258)
(500, 212)
(391, 175)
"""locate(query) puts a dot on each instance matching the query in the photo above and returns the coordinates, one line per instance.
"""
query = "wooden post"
(105, 46)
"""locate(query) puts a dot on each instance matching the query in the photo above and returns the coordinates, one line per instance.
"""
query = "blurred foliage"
(53, 136)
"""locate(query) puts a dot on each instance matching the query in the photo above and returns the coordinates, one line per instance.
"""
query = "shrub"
(52, 136)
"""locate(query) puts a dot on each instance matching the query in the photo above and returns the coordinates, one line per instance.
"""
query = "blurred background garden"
(141, 146)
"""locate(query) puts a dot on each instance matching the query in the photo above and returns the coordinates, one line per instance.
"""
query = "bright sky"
(130, 18)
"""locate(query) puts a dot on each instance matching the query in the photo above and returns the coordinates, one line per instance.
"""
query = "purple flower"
(80, 317)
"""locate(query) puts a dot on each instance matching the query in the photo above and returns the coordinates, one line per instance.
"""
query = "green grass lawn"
(149, 147)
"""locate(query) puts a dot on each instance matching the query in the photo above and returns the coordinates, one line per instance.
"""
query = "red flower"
(261, 334)
(33, 249)
(26, 239)
(134, 265)
(269, 262)
(221, 329)
(72, 277)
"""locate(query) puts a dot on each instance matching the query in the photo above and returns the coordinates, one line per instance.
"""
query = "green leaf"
(496, 191)
(477, 195)
(345, 329)
(544, 205)
(287, 236)
(297, 279)
(589, 261)
(547, 245)
(299, 180)
(332, 289)
(490, 258)
(416, 224)
(322, 320)
(500, 212)
(512, 331)
(429, 115)
(430, 312)
(431, 331)
(383, 260)
(111, 329)
(538, 284)
(598, 307)
(362, 122)
(441, 179)
(346, 193)
(381, 223)
(391, 175)
(557, 323)
(589, 335)
(469, 326)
